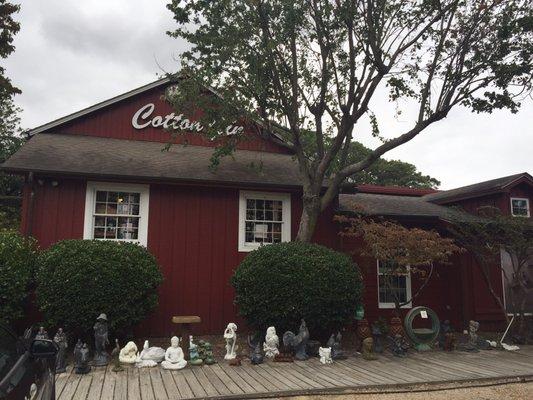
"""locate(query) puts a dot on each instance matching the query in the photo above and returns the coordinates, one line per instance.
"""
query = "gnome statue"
(100, 341)
(61, 340)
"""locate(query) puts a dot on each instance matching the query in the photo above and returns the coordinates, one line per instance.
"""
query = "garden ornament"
(235, 362)
(61, 339)
(377, 335)
(367, 349)
(423, 338)
(298, 342)
(362, 331)
(230, 335)
(270, 346)
(209, 358)
(100, 341)
(325, 355)
(156, 354)
(396, 327)
(334, 343)
(446, 336)
(194, 356)
(398, 345)
(128, 354)
(117, 367)
(81, 358)
(42, 334)
(174, 357)
(256, 356)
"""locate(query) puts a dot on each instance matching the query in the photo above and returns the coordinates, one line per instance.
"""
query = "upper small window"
(116, 212)
(520, 207)
(264, 218)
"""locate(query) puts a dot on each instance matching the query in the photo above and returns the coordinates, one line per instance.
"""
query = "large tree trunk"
(310, 213)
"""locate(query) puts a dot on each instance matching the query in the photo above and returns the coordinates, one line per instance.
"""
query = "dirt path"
(510, 391)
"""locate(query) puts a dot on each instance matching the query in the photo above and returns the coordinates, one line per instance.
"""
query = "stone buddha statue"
(174, 358)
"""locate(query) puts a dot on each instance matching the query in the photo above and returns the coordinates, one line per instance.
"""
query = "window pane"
(99, 221)
(99, 233)
(250, 204)
(250, 214)
(101, 196)
(111, 208)
(112, 197)
(100, 208)
(259, 215)
(111, 233)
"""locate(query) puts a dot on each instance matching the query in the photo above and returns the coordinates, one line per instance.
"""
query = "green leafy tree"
(314, 66)
(8, 29)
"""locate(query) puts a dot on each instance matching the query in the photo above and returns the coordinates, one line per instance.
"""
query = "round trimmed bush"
(281, 283)
(79, 279)
(17, 262)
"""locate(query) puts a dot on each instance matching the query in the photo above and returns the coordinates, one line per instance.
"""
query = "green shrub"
(281, 283)
(79, 279)
(17, 262)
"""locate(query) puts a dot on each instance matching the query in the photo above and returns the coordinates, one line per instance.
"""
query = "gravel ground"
(510, 391)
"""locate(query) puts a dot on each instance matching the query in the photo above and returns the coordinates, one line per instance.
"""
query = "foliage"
(281, 283)
(314, 66)
(401, 249)
(8, 29)
(79, 279)
(17, 263)
(491, 233)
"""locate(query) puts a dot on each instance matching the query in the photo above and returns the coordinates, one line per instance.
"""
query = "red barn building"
(100, 173)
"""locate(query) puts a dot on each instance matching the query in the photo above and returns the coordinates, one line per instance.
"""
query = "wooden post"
(184, 330)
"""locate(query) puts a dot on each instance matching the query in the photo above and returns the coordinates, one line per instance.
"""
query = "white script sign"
(143, 119)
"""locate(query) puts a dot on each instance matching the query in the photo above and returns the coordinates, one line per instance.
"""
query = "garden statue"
(156, 354)
(81, 358)
(270, 347)
(362, 331)
(367, 349)
(325, 355)
(117, 367)
(194, 356)
(334, 343)
(396, 327)
(209, 358)
(42, 334)
(235, 362)
(256, 357)
(230, 335)
(61, 340)
(377, 335)
(298, 342)
(398, 345)
(446, 336)
(174, 358)
(128, 354)
(100, 341)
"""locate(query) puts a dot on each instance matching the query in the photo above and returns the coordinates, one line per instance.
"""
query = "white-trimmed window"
(520, 207)
(264, 218)
(391, 286)
(116, 211)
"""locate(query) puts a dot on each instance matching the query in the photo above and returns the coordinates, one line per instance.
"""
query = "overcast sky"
(71, 54)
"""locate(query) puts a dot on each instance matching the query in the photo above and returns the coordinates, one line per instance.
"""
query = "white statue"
(128, 354)
(174, 358)
(325, 355)
(156, 354)
(230, 334)
(270, 347)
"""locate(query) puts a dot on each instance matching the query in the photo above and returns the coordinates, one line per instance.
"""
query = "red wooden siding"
(114, 121)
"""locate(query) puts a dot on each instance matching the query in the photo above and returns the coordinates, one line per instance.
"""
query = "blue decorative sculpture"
(298, 342)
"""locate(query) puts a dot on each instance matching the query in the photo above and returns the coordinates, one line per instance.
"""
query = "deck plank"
(147, 391)
(216, 381)
(121, 384)
(182, 385)
(195, 386)
(160, 392)
(83, 387)
(61, 380)
(96, 386)
(204, 381)
(172, 390)
(134, 390)
(70, 387)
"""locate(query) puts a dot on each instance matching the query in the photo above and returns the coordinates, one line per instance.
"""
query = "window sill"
(392, 305)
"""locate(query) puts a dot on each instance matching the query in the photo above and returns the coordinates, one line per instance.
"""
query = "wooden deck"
(276, 379)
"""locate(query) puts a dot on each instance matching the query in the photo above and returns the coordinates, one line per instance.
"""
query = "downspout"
(29, 213)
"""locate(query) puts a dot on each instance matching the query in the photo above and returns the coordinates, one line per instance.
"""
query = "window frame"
(285, 199)
(527, 205)
(144, 203)
(388, 305)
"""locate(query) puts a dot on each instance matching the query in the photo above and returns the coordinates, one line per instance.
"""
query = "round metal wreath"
(422, 336)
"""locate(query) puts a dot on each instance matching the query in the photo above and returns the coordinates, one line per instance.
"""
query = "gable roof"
(478, 189)
(397, 206)
(92, 156)
(393, 190)
(98, 106)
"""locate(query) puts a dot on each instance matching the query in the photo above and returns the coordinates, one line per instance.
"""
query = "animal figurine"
(398, 345)
(230, 335)
(100, 341)
(174, 357)
(194, 356)
(61, 340)
(377, 335)
(156, 354)
(81, 358)
(367, 349)
(117, 366)
(128, 354)
(235, 362)
(270, 346)
(209, 358)
(325, 355)
(298, 342)
(256, 356)
(334, 343)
